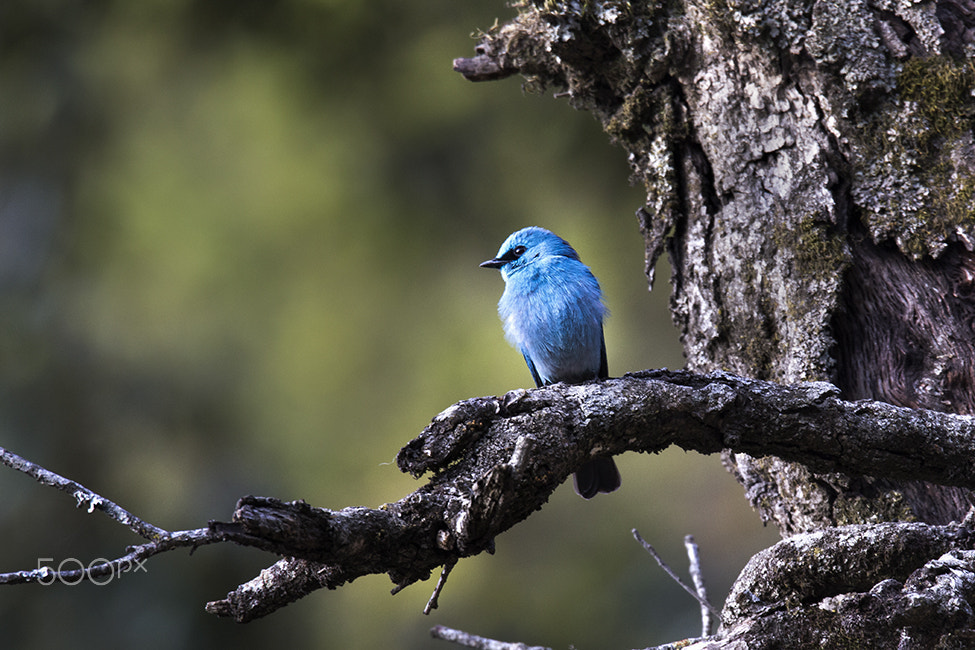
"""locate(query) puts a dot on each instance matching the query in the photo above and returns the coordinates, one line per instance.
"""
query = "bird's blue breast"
(552, 312)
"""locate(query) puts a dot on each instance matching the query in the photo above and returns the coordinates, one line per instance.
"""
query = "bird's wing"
(531, 366)
(603, 366)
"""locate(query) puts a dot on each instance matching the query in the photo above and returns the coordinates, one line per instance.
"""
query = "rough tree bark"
(809, 171)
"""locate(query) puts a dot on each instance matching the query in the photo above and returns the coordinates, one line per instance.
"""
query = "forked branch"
(495, 460)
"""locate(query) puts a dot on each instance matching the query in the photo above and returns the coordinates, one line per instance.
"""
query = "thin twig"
(160, 540)
(674, 576)
(694, 560)
(479, 642)
(83, 496)
(435, 597)
(100, 568)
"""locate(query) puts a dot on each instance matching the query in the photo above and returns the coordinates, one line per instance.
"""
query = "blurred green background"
(238, 255)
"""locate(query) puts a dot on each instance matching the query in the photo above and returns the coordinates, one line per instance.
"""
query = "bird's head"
(524, 246)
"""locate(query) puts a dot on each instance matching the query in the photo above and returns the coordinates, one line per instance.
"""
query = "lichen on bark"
(913, 172)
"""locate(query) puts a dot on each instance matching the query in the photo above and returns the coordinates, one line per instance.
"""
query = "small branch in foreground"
(485, 66)
(160, 540)
(478, 642)
(132, 562)
(705, 605)
(82, 495)
(694, 561)
(434, 601)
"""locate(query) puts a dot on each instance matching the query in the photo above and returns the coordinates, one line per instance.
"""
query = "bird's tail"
(598, 475)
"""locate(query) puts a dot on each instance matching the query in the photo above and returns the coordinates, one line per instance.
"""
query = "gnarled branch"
(495, 460)
(498, 459)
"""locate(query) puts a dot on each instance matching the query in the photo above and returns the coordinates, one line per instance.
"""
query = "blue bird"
(552, 310)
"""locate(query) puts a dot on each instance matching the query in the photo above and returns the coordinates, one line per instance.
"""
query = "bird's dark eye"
(512, 254)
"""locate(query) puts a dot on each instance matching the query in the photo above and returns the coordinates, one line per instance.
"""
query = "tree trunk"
(825, 234)
(809, 171)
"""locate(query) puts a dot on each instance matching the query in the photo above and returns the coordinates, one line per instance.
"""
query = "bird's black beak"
(509, 256)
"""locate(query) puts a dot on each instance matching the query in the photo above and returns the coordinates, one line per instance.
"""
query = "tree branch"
(495, 460)
(82, 495)
(878, 583)
(478, 642)
(498, 459)
(651, 410)
(483, 67)
(847, 559)
(697, 592)
(132, 562)
(697, 576)
(160, 540)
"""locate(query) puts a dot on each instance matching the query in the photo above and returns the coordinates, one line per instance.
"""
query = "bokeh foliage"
(238, 255)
